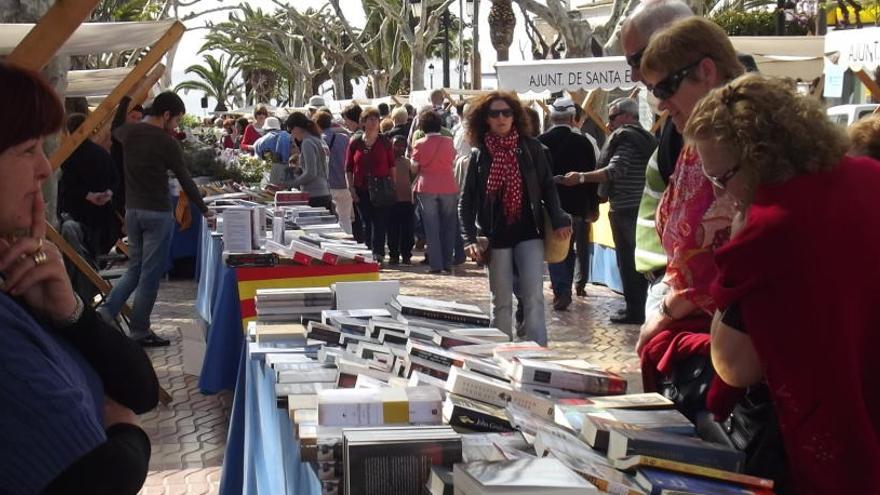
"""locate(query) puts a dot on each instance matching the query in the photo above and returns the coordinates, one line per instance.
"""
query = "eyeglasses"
(721, 181)
(635, 60)
(667, 88)
(503, 112)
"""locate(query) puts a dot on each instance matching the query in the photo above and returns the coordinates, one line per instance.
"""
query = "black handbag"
(381, 189)
(688, 385)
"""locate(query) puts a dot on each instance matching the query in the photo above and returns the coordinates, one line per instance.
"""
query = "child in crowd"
(401, 221)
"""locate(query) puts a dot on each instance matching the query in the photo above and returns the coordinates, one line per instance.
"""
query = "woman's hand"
(563, 232)
(474, 252)
(116, 413)
(655, 323)
(34, 270)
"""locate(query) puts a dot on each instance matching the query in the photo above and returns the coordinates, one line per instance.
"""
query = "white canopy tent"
(90, 39)
(784, 56)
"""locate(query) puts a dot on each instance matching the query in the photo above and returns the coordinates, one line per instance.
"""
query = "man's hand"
(571, 179)
(209, 214)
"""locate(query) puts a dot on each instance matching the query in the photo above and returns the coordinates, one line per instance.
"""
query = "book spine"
(590, 384)
(444, 361)
(478, 390)
(727, 461)
(706, 472)
(440, 315)
(473, 420)
(609, 486)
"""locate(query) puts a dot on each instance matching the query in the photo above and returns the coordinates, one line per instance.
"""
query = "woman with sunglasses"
(508, 187)
(788, 314)
(691, 222)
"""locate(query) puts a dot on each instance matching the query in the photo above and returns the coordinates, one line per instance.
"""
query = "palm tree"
(502, 22)
(216, 79)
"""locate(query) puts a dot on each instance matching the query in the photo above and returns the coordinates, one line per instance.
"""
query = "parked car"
(846, 115)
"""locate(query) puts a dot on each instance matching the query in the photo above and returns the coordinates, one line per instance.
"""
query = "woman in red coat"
(797, 284)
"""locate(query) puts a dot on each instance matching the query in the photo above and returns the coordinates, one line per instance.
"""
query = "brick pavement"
(189, 435)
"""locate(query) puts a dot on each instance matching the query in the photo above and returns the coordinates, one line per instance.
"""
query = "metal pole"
(780, 17)
(476, 63)
(446, 48)
(461, 44)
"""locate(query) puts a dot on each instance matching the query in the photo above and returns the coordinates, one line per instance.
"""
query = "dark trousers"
(374, 221)
(401, 224)
(575, 268)
(635, 285)
(325, 201)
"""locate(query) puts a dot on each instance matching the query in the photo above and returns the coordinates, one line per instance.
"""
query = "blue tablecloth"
(603, 267)
(185, 243)
(262, 456)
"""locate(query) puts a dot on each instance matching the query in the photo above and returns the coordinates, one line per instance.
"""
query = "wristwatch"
(582, 178)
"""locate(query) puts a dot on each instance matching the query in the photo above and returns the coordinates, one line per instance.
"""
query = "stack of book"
(423, 396)
(292, 305)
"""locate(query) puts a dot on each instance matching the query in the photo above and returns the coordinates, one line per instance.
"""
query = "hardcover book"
(627, 442)
(659, 482)
(596, 426)
(474, 415)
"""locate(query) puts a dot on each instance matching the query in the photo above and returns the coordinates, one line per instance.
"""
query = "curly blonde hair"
(776, 133)
(864, 137)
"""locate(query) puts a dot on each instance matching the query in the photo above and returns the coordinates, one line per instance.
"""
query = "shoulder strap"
(333, 140)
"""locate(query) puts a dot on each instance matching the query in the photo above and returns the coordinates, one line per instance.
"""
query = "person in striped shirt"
(622, 173)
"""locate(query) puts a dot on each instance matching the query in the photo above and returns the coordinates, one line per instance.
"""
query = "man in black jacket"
(571, 152)
(622, 174)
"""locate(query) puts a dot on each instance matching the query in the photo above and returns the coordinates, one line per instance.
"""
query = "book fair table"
(225, 301)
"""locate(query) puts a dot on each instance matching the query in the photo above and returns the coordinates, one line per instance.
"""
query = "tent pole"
(46, 37)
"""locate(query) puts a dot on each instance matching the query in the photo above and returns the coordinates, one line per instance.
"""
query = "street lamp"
(416, 7)
(431, 73)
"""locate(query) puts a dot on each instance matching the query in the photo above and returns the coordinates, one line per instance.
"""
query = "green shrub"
(742, 23)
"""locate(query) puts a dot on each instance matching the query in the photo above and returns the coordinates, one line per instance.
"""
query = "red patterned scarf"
(504, 176)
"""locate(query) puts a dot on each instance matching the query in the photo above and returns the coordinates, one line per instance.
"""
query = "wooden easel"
(35, 51)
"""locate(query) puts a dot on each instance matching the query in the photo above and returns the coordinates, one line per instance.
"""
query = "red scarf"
(504, 176)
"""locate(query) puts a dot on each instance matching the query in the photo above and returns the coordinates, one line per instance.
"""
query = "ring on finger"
(39, 247)
(39, 257)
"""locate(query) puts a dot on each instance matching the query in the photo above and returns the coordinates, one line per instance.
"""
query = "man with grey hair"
(571, 153)
(401, 123)
(650, 257)
(623, 161)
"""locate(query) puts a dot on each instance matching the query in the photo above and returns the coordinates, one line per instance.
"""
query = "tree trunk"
(417, 67)
(502, 23)
(379, 81)
(338, 77)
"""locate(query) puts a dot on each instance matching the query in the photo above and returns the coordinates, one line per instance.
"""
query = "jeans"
(439, 214)
(528, 257)
(374, 221)
(635, 285)
(344, 208)
(149, 241)
(400, 230)
(575, 268)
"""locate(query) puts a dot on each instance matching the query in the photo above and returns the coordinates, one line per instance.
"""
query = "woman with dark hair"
(241, 125)
(370, 155)
(508, 188)
(436, 190)
(72, 385)
(254, 131)
(314, 159)
(782, 308)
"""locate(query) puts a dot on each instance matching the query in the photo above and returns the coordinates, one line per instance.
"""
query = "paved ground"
(189, 435)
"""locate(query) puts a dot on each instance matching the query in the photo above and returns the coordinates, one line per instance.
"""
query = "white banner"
(854, 49)
(570, 74)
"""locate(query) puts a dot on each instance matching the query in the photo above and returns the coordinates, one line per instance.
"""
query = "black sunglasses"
(666, 88)
(635, 60)
(721, 181)
(504, 112)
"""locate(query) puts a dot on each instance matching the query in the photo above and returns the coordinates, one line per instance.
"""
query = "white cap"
(272, 123)
(316, 102)
(563, 106)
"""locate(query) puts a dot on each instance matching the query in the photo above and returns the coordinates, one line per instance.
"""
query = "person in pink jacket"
(436, 190)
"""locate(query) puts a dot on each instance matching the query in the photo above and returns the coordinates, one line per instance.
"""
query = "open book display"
(422, 396)
(263, 228)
